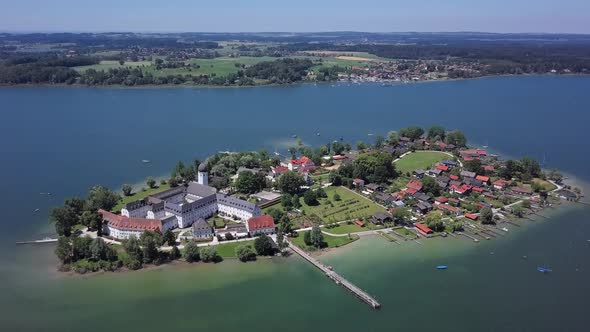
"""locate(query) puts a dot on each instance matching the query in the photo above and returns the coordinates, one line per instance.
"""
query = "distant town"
(405, 186)
(188, 59)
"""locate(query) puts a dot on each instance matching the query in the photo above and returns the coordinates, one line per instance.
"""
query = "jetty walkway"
(338, 279)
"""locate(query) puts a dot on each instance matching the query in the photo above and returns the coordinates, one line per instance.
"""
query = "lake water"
(64, 140)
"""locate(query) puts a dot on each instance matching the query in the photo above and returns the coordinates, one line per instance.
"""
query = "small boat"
(145, 161)
(318, 134)
(543, 269)
(441, 267)
(293, 136)
(524, 257)
(505, 229)
(36, 210)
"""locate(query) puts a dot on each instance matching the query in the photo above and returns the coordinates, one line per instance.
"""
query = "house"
(419, 173)
(384, 198)
(202, 229)
(462, 190)
(454, 201)
(449, 208)
(449, 163)
(422, 229)
(359, 223)
(339, 157)
(373, 187)
(455, 183)
(484, 179)
(236, 230)
(522, 190)
(381, 217)
(454, 177)
(304, 161)
(442, 183)
(264, 224)
(434, 172)
(423, 207)
(469, 154)
(441, 200)
(477, 189)
(421, 197)
(481, 153)
(415, 185)
(279, 170)
(473, 182)
(471, 216)
(468, 174)
(442, 167)
(358, 183)
(488, 168)
(501, 184)
(122, 227)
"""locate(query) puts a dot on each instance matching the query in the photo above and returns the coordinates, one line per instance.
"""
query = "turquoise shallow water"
(65, 140)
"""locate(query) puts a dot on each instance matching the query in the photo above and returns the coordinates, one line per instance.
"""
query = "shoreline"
(335, 82)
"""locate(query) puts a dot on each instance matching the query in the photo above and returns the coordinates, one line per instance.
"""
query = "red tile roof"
(134, 224)
(260, 222)
(358, 181)
(482, 178)
(301, 161)
(488, 168)
(442, 167)
(280, 169)
(454, 177)
(339, 157)
(501, 183)
(414, 184)
(423, 228)
(448, 208)
(442, 199)
(482, 152)
(471, 216)
(411, 191)
(478, 189)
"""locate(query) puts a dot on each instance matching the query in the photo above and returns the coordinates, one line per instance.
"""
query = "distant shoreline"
(210, 86)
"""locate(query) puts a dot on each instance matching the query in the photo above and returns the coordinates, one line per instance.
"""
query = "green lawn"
(228, 250)
(139, 195)
(111, 64)
(420, 160)
(331, 241)
(218, 66)
(350, 206)
(546, 185)
(405, 232)
(346, 229)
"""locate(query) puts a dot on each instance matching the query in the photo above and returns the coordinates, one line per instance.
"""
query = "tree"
(473, 165)
(126, 189)
(191, 252)
(530, 166)
(376, 167)
(178, 169)
(264, 246)
(360, 145)
(151, 183)
(518, 211)
(321, 193)
(285, 225)
(457, 138)
(150, 250)
(335, 178)
(310, 198)
(338, 147)
(169, 238)
(64, 219)
(174, 253)
(92, 219)
(392, 137)
(250, 183)
(317, 238)
(486, 216)
(134, 253)
(412, 132)
(81, 248)
(209, 254)
(307, 238)
(229, 236)
(434, 222)
(296, 202)
(63, 249)
(76, 204)
(245, 253)
(379, 141)
(101, 197)
(430, 186)
(173, 182)
(156, 236)
(98, 250)
(337, 197)
(436, 132)
(290, 182)
(401, 215)
(276, 214)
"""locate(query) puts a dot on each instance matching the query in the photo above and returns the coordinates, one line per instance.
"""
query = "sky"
(556, 16)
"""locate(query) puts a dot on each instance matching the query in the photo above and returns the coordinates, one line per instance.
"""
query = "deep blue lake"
(64, 140)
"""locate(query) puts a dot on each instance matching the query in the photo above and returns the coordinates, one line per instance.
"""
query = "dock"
(338, 279)
(46, 240)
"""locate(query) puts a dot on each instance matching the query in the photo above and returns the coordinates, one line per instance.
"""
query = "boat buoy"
(441, 267)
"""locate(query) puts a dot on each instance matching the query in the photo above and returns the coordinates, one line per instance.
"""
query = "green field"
(139, 195)
(350, 228)
(331, 241)
(228, 250)
(111, 64)
(351, 206)
(419, 160)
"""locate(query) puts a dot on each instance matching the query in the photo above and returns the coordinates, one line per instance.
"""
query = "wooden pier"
(46, 240)
(338, 279)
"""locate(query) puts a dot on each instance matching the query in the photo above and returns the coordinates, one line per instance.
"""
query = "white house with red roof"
(304, 161)
(122, 227)
(264, 224)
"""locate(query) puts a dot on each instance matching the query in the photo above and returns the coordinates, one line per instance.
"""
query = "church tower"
(203, 174)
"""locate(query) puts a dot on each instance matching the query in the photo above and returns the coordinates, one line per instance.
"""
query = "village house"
(467, 174)
(422, 207)
(441, 200)
(261, 225)
(522, 190)
(419, 173)
(202, 229)
(380, 218)
(423, 229)
(358, 183)
(373, 187)
(448, 208)
(484, 179)
(237, 231)
(295, 164)
(501, 184)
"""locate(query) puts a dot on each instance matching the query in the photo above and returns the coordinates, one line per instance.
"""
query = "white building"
(181, 207)
(261, 225)
(302, 162)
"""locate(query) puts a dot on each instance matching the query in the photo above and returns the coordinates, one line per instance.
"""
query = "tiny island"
(240, 205)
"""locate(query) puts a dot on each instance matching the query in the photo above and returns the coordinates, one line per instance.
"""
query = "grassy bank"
(420, 160)
(331, 241)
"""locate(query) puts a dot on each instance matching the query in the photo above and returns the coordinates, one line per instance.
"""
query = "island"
(411, 184)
